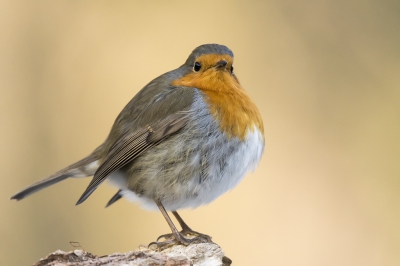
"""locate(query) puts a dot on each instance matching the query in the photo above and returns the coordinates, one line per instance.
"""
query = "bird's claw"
(172, 239)
(186, 233)
(165, 236)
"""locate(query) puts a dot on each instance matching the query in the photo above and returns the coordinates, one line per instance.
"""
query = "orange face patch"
(228, 101)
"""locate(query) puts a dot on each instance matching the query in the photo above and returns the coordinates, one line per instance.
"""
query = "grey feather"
(69, 171)
(131, 145)
(115, 198)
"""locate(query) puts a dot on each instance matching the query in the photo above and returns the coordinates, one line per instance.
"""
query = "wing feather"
(131, 145)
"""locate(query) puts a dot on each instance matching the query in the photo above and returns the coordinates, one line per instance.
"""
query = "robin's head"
(207, 50)
(208, 67)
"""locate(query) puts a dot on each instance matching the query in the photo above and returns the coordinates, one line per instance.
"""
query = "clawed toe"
(172, 239)
(165, 236)
(197, 234)
(164, 244)
(186, 233)
(176, 238)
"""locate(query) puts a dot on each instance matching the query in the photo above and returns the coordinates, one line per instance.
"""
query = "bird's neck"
(228, 103)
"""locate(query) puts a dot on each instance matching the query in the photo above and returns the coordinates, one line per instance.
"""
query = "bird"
(186, 138)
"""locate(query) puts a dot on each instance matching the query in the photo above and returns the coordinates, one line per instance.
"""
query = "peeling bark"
(205, 254)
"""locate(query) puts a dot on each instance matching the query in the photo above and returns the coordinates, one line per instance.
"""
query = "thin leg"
(186, 230)
(177, 237)
(166, 216)
(184, 226)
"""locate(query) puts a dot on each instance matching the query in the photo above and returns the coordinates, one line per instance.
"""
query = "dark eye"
(231, 69)
(197, 66)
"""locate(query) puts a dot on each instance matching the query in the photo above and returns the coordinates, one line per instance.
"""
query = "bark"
(205, 254)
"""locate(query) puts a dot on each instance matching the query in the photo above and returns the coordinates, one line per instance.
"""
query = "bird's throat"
(227, 100)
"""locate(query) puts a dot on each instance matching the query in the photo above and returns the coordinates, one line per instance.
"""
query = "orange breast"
(227, 100)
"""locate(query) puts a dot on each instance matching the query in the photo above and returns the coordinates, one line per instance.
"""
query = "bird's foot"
(180, 238)
(187, 233)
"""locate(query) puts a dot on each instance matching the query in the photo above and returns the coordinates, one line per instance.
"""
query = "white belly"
(193, 193)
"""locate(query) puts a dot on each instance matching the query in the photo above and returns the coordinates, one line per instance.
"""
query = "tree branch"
(204, 254)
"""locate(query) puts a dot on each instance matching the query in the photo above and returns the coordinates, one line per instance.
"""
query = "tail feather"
(116, 197)
(82, 168)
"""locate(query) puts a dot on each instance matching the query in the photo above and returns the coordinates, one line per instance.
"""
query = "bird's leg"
(175, 232)
(184, 226)
(177, 237)
(186, 230)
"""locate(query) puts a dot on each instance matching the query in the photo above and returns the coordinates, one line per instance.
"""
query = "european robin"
(186, 138)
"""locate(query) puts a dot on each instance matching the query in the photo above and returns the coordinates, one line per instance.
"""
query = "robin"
(186, 138)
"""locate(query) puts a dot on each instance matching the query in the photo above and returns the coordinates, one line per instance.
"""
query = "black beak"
(221, 64)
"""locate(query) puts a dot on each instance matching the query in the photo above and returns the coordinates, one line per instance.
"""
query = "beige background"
(325, 75)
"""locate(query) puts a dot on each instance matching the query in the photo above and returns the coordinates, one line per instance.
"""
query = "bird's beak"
(221, 64)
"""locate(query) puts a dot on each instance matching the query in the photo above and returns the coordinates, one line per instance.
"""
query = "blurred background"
(325, 75)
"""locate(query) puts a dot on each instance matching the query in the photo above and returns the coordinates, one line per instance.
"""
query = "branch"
(204, 254)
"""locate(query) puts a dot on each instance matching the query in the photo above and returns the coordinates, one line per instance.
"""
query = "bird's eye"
(197, 66)
(231, 69)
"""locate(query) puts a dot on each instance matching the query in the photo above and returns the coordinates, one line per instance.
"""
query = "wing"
(131, 145)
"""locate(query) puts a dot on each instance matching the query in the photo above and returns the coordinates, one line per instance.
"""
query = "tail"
(116, 197)
(85, 167)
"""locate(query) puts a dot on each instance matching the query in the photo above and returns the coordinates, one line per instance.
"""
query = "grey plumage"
(131, 144)
(183, 174)
(151, 106)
